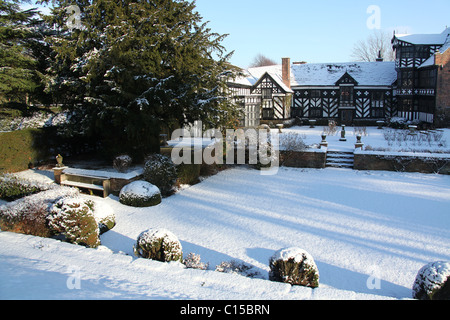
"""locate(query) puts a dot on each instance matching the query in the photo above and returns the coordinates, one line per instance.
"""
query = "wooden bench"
(90, 183)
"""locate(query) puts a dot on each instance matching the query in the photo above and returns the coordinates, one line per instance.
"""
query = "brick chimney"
(286, 71)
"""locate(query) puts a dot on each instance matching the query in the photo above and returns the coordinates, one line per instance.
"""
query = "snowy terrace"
(368, 231)
(374, 139)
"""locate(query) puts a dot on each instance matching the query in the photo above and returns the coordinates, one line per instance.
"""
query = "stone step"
(340, 159)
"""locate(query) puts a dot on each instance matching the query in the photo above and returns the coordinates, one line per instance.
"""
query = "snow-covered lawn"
(368, 232)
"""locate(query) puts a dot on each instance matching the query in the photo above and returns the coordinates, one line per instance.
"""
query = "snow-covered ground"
(368, 232)
(375, 139)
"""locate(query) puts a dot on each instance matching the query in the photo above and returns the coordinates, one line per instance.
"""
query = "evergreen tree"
(134, 65)
(19, 76)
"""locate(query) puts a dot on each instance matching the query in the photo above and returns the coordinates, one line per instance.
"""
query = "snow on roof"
(253, 75)
(426, 39)
(327, 74)
(430, 61)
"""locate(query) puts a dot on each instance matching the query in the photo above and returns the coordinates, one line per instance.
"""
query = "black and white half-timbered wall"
(421, 59)
(415, 86)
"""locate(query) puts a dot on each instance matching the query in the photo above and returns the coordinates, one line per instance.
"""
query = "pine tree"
(134, 65)
(19, 76)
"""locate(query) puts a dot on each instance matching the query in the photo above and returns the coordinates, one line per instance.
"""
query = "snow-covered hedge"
(294, 266)
(13, 187)
(140, 194)
(433, 282)
(161, 171)
(74, 219)
(58, 212)
(28, 215)
(158, 244)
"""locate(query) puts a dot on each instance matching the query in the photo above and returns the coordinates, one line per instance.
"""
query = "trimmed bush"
(158, 244)
(122, 163)
(433, 282)
(161, 171)
(140, 194)
(74, 220)
(294, 266)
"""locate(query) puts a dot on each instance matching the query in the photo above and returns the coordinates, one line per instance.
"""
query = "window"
(423, 52)
(407, 52)
(266, 93)
(406, 78)
(377, 99)
(346, 95)
(427, 78)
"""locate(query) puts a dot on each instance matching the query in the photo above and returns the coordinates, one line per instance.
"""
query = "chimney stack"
(286, 71)
(380, 58)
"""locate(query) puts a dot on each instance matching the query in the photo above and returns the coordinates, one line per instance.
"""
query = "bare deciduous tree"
(377, 43)
(262, 61)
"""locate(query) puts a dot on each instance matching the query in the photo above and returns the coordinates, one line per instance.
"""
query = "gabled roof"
(253, 76)
(346, 79)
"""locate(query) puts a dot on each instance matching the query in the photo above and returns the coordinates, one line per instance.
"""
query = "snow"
(326, 74)
(358, 226)
(107, 173)
(294, 253)
(139, 189)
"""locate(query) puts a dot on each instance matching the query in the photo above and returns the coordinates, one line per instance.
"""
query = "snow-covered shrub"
(74, 219)
(140, 194)
(26, 218)
(158, 244)
(28, 215)
(237, 267)
(161, 171)
(193, 261)
(103, 214)
(122, 163)
(398, 123)
(294, 266)
(13, 187)
(433, 282)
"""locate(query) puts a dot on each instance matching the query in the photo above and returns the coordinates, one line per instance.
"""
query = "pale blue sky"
(313, 31)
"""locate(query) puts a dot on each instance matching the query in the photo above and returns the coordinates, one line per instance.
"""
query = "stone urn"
(343, 134)
(358, 143)
(59, 161)
(324, 142)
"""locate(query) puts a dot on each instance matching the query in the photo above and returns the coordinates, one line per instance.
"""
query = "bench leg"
(106, 188)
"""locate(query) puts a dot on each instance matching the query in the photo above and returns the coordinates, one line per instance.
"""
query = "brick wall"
(443, 88)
